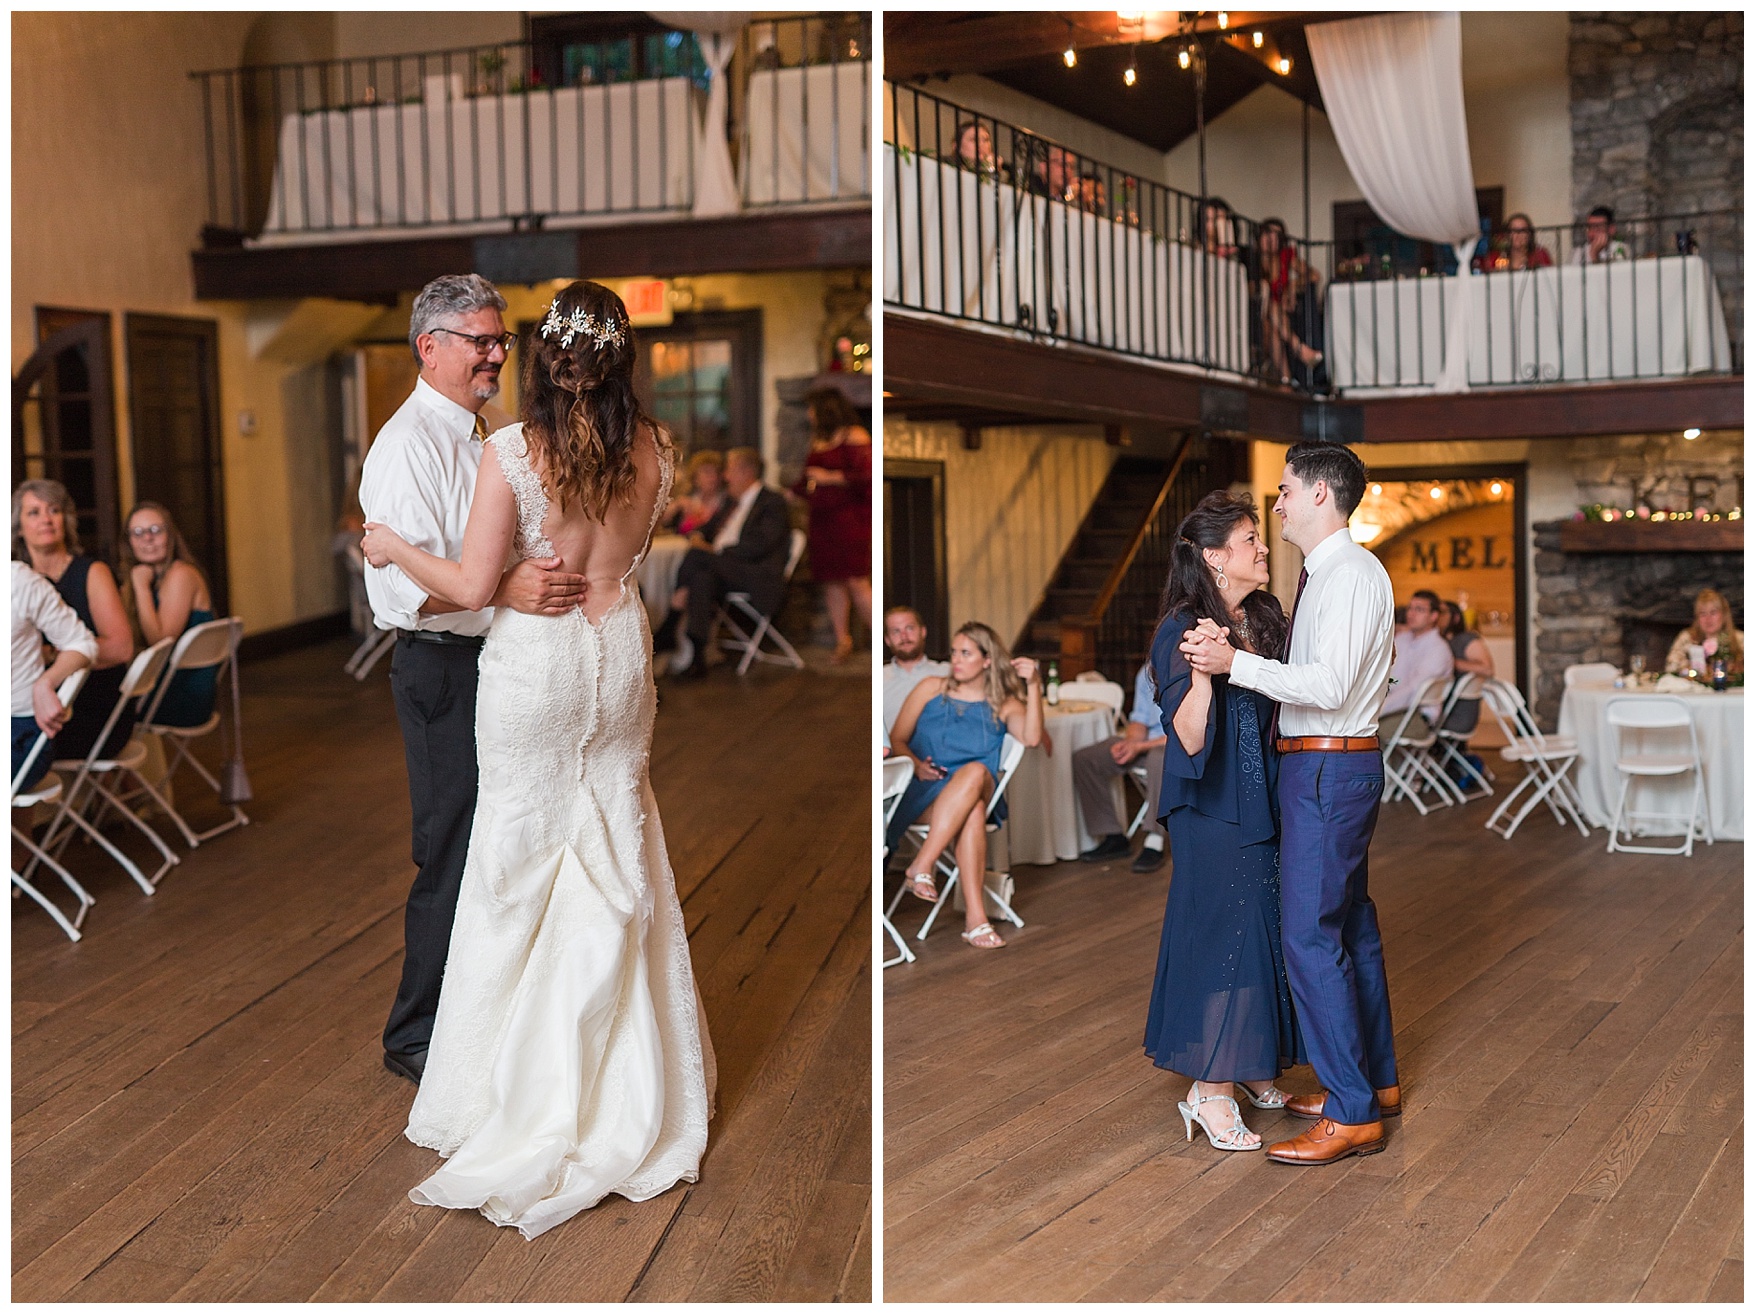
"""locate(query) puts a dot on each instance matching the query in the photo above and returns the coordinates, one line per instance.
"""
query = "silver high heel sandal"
(1271, 1098)
(1232, 1135)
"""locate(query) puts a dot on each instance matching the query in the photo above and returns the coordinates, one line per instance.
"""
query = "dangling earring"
(1222, 582)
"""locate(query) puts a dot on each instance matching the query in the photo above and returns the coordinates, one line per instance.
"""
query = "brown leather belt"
(1328, 744)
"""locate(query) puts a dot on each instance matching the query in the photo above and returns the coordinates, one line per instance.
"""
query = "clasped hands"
(535, 586)
(1208, 647)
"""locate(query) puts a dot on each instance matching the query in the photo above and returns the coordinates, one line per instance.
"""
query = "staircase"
(1101, 606)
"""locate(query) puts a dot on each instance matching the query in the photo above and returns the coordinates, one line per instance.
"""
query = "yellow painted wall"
(1450, 553)
(1011, 508)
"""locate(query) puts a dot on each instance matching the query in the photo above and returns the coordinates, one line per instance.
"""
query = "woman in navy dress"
(951, 727)
(1221, 1012)
(168, 595)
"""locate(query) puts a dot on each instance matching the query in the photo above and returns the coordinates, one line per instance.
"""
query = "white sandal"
(1271, 1098)
(1232, 1135)
(975, 933)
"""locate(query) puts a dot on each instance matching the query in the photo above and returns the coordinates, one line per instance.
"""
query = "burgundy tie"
(1303, 579)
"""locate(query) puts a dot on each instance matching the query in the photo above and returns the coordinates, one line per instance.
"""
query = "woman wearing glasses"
(45, 535)
(167, 593)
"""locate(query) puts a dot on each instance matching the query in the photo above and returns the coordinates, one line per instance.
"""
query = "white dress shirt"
(732, 529)
(39, 613)
(1343, 638)
(419, 479)
(1419, 658)
(899, 682)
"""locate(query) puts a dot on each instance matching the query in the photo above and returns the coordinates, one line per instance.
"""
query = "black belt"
(442, 637)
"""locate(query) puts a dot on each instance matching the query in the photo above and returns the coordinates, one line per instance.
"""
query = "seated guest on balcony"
(837, 483)
(1522, 251)
(1093, 195)
(1051, 171)
(975, 150)
(1216, 228)
(1600, 244)
(38, 616)
(1096, 766)
(952, 728)
(1712, 632)
(747, 555)
(45, 535)
(167, 594)
(1421, 654)
(1282, 281)
(905, 637)
(703, 508)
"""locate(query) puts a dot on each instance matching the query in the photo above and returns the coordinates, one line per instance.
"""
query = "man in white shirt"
(419, 479)
(38, 613)
(1096, 766)
(1421, 654)
(905, 637)
(1330, 689)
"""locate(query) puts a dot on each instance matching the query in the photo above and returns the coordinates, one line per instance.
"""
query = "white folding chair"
(1668, 717)
(89, 773)
(46, 790)
(366, 656)
(1408, 768)
(1589, 673)
(1105, 692)
(210, 645)
(898, 771)
(1449, 753)
(1546, 760)
(1011, 752)
(761, 628)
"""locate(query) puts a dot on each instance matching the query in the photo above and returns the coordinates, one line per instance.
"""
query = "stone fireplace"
(1605, 606)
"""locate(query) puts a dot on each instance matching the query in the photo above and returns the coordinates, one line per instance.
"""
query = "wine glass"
(1636, 664)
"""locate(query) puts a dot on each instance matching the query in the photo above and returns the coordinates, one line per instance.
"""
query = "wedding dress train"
(570, 1057)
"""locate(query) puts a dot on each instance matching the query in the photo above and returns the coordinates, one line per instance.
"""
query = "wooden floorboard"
(199, 1106)
(1569, 1028)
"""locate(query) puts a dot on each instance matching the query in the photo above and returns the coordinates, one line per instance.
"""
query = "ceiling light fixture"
(1224, 20)
(1072, 55)
(1182, 57)
(1285, 66)
(1130, 77)
(1377, 490)
(1437, 492)
(1690, 434)
(1496, 488)
(1256, 37)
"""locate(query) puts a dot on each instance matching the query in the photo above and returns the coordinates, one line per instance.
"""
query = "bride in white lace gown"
(570, 1057)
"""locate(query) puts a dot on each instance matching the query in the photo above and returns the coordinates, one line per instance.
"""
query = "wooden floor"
(199, 1109)
(1569, 1028)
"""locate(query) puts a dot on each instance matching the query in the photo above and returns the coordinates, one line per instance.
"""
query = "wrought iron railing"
(988, 223)
(508, 133)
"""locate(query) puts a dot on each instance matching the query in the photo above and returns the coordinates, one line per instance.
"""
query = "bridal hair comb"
(605, 332)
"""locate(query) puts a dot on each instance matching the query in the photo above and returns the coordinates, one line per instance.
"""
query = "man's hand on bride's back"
(539, 587)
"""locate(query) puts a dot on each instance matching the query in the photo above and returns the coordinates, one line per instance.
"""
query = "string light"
(1496, 488)
(1072, 55)
(1130, 76)
(1256, 37)
(1690, 434)
(1182, 57)
(1437, 492)
(1224, 20)
(1377, 490)
(1285, 65)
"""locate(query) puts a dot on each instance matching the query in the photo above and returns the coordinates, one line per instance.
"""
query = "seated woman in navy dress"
(951, 727)
(1221, 1011)
(168, 594)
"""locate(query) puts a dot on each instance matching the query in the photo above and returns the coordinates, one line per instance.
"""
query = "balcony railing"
(990, 224)
(479, 136)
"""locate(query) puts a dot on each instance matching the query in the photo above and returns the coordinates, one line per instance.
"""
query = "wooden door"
(64, 420)
(914, 546)
(173, 408)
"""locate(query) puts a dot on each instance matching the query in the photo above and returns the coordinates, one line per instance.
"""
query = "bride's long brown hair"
(577, 401)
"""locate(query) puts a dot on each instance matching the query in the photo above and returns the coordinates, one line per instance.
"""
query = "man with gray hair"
(419, 479)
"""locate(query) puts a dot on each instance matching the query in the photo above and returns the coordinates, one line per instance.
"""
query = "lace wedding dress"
(569, 1057)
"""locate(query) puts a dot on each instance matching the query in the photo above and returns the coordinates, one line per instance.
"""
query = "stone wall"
(1590, 604)
(1657, 125)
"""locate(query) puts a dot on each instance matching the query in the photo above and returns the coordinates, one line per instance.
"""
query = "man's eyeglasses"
(484, 342)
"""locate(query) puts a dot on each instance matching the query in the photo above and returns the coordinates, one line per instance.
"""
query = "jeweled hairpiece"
(604, 332)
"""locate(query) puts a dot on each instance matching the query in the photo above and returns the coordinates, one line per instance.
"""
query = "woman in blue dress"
(1221, 1012)
(951, 727)
(167, 594)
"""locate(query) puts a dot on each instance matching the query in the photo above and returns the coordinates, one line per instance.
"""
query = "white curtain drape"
(715, 180)
(1392, 87)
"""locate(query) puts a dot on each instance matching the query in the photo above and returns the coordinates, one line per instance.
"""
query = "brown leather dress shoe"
(1389, 1103)
(1328, 1141)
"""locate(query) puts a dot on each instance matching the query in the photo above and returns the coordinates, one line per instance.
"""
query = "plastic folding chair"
(213, 644)
(1106, 692)
(761, 628)
(366, 656)
(1011, 752)
(89, 773)
(1408, 768)
(1546, 760)
(898, 771)
(1669, 717)
(46, 790)
(1589, 673)
(1449, 754)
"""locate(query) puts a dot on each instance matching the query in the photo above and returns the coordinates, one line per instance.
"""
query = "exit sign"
(647, 300)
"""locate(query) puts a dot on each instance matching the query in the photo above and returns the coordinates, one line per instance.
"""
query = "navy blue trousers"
(1334, 955)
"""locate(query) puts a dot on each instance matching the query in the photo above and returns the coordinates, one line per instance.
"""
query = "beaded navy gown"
(1220, 1008)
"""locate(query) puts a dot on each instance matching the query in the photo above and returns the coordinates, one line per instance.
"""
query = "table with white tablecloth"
(1044, 824)
(968, 244)
(1626, 319)
(1718, 723)
(657, 574)
(572, 150)
(806, 134)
